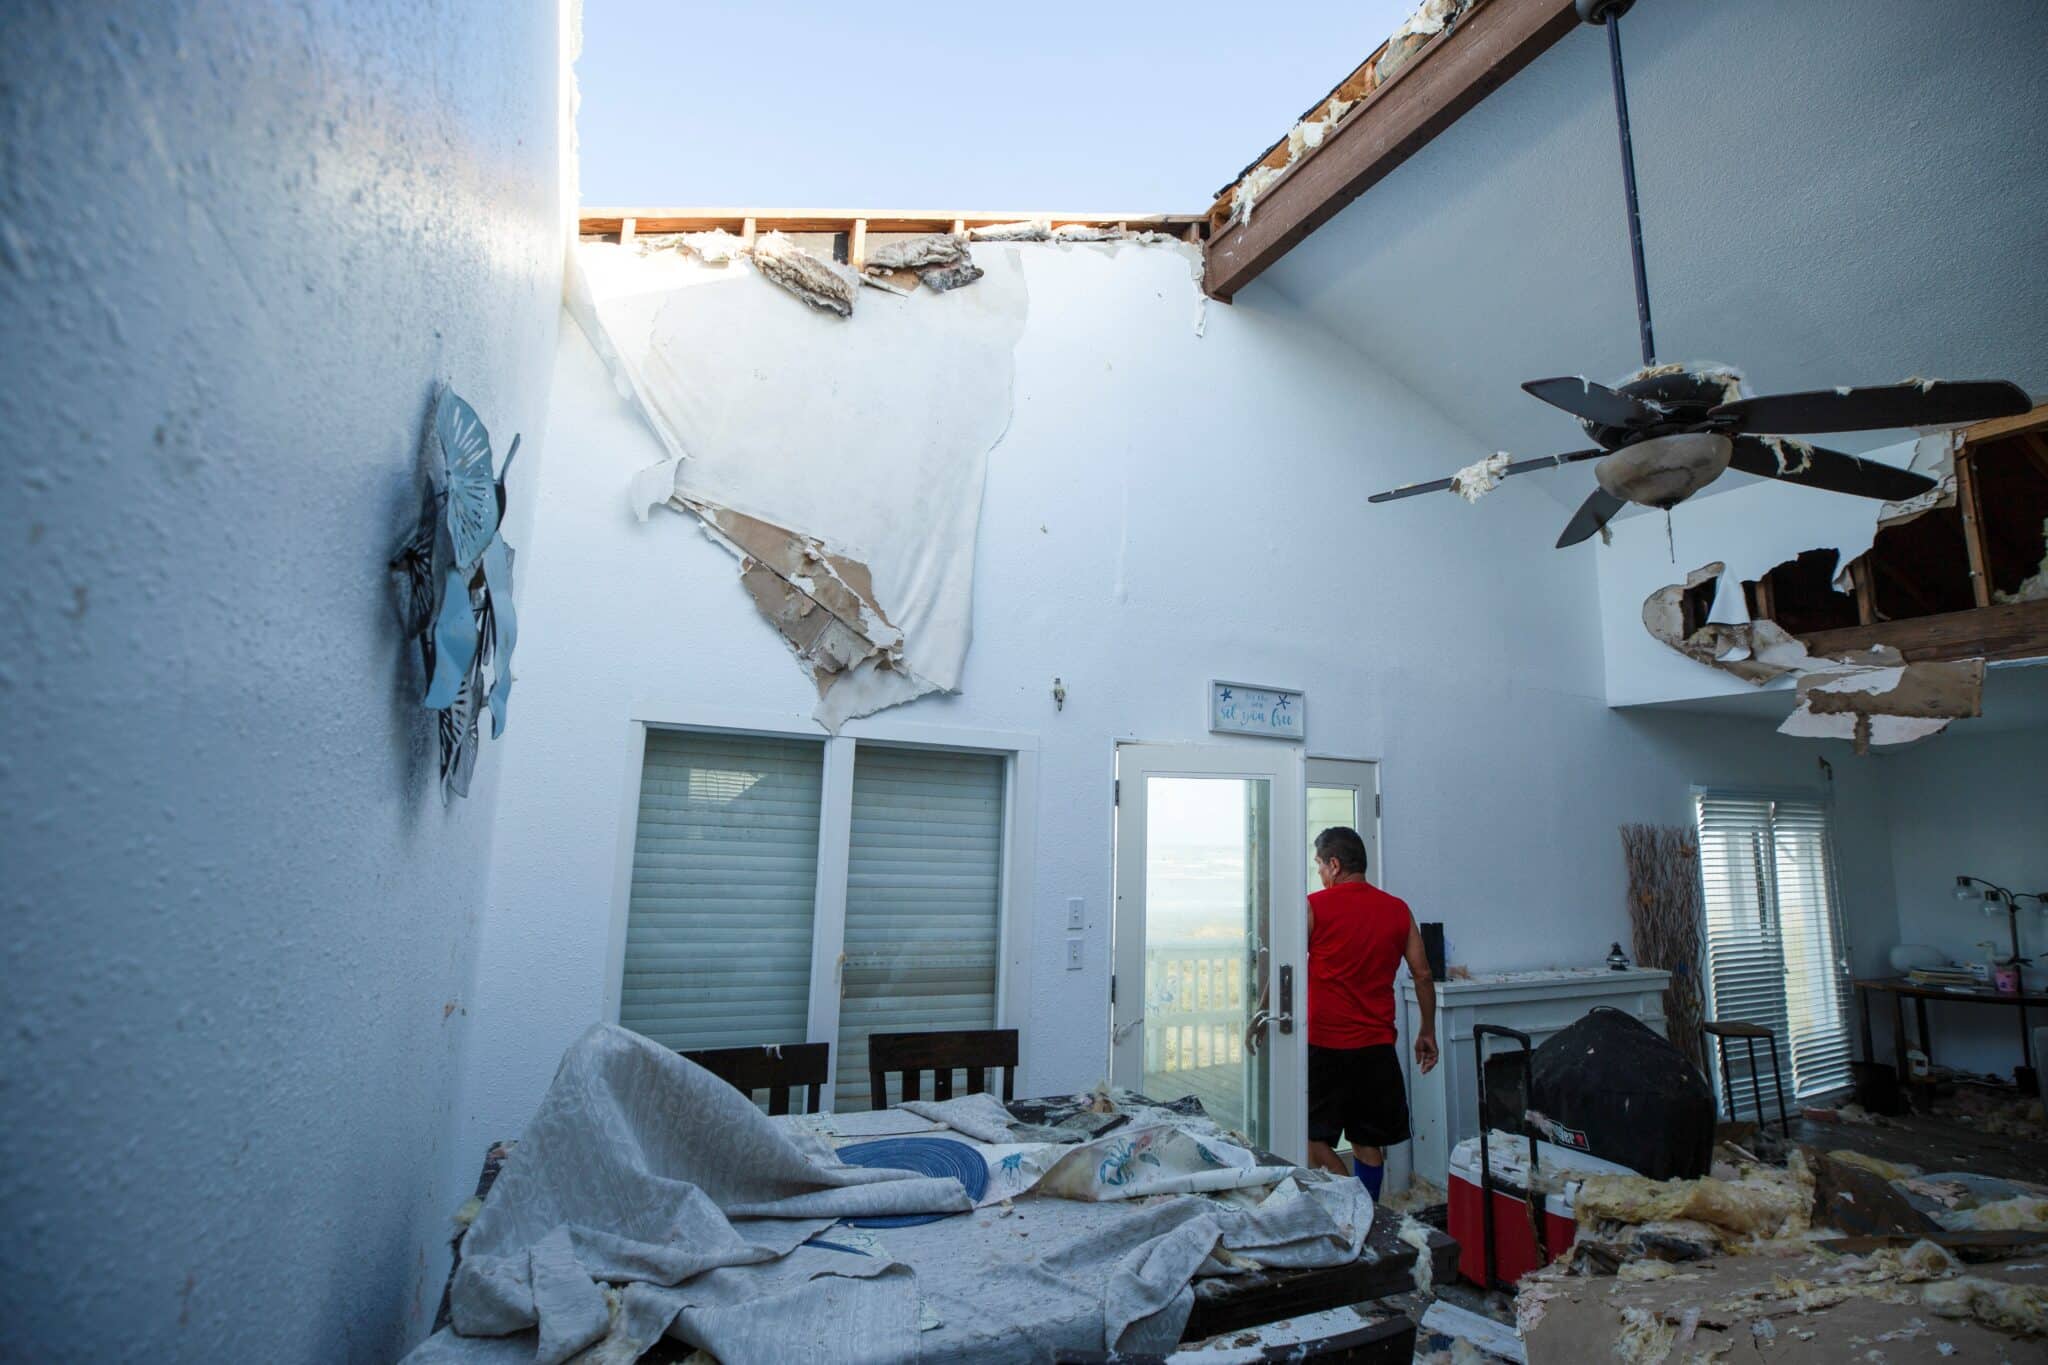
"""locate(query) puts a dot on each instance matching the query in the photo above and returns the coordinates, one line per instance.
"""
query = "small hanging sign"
(1272, 712)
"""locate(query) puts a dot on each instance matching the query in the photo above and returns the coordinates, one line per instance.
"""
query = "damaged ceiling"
(1863, 219)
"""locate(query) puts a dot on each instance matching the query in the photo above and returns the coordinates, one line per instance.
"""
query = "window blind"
(924, 871)
(725, 865)
(1774, 943)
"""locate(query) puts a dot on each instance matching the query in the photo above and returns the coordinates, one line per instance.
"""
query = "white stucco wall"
(238, 247)
(1164, 509)
(1968, 805)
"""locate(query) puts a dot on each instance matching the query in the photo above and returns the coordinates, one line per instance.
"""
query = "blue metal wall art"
(453, 577)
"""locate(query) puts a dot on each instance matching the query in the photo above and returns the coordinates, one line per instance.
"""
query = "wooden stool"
(1749, 1033)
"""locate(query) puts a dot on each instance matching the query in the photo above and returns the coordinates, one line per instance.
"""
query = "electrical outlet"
(1073, 954)
(1075, 908)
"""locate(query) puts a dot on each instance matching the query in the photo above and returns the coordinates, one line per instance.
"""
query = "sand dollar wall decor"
(453, 576)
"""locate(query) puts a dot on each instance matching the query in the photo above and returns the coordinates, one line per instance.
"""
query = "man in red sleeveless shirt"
(1358, 936)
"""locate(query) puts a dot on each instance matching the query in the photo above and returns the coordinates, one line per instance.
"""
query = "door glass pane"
(1208, 905)
(1328, 806)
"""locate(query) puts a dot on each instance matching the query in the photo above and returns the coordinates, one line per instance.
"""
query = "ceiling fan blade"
(1593, 513)
(1934, 404)
(1409, 490)
(1819, 467)
(1581, 397)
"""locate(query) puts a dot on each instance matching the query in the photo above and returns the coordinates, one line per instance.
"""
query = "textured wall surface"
(1163, 510)
(238, 247)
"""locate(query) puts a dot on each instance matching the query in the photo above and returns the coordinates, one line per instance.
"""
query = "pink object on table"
(2007, 979)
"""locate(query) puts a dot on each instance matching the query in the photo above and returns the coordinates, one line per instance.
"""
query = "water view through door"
(1208, 912)
(1206, 848)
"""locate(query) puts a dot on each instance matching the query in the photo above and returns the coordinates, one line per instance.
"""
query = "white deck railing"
(1195, 1006)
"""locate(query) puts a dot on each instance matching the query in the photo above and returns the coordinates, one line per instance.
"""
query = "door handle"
(1285, 1018)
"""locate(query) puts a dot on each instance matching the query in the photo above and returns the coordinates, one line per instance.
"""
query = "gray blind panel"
(923, 893)
(725, 866)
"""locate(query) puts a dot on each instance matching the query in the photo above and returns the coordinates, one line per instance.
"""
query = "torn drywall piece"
(1878, 698)
(825, 285)
(842, 467)
(1680, 616)
(823, 603)
(1481, 477)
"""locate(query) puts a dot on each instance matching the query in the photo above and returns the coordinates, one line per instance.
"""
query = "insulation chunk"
(1481, 477)
(1035, 230)
(938, 248)
(716, 247)
(824, 285)
(1764, 1202)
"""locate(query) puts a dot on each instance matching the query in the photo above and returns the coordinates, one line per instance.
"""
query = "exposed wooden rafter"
(611, 222)
(1457, 70)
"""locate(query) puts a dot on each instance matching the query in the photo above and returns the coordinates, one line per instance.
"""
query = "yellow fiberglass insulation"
(2009, 1307)
(1890, 1170)
(1763, 1202)
(2024, 1213)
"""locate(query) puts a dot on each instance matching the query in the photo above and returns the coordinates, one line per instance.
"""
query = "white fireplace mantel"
(1444, 1105)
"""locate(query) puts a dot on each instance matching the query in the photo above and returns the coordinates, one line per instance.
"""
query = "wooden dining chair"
(776, 1069)
(974, 1051)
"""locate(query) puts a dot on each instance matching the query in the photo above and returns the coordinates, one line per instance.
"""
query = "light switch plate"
(1073, 954)
(1076, 907)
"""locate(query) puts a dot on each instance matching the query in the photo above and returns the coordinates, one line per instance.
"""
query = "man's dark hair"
(1342, 843)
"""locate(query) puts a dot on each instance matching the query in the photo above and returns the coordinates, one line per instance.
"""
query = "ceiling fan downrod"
(1607, 14)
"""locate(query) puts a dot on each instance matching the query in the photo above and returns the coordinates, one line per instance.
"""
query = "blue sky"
(1062, 106)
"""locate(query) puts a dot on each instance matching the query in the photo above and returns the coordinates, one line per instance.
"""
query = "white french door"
(1209, 906)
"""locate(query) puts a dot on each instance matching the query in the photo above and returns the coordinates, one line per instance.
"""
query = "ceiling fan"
(1671, 430)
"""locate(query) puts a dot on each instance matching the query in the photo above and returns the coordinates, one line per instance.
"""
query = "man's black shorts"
(1356, 1093)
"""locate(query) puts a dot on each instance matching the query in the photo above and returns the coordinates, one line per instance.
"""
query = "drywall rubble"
(1313, 128)
(842, 466)
(824, 285)
(715, 247)
(1869, 698)
(1873, 697)
(1680, 616)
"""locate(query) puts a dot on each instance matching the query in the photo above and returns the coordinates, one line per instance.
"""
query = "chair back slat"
(805, 1066)
(975, 1051)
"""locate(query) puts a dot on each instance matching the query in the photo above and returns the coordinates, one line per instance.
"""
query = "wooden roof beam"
(1496, 39)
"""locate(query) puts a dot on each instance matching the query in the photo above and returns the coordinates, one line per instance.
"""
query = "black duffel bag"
(1612, 1086)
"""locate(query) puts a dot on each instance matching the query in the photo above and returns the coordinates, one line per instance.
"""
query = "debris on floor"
(1920, 1303)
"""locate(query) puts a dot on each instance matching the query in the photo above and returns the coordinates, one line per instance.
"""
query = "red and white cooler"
(1514, 1240)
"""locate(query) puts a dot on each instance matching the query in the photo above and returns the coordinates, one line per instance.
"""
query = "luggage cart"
(1534, 1201)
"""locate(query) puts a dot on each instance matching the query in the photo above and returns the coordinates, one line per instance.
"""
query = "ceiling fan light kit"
(1668, 431)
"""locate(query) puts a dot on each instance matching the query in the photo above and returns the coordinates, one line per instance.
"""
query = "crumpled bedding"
(647, 1197)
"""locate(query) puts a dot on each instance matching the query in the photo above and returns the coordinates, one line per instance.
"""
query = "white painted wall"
(1968, 804)
(1164, 509)
(238, 247)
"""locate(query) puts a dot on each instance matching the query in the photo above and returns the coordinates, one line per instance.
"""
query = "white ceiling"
(1831, 194)
(2015, 698)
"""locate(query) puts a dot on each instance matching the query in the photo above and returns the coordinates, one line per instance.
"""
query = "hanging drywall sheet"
(861, 441)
